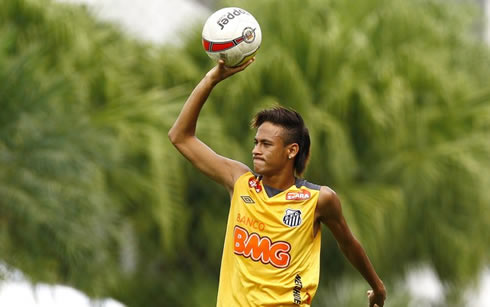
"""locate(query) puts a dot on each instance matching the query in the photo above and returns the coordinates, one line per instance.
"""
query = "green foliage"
(93, 195)
(92, 192)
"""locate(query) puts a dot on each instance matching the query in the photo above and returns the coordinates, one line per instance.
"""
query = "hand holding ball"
(231, 34)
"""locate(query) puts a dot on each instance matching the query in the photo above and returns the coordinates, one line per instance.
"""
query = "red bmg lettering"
(261, 248)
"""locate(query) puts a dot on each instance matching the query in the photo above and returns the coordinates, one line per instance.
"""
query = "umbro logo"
(247, 199)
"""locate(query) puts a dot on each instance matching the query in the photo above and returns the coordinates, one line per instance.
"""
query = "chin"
(261, 171)
(258, 170)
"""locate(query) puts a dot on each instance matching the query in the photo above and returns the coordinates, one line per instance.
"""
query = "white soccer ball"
(231, 34)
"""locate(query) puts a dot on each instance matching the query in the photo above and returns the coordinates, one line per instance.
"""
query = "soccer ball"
(231, 34)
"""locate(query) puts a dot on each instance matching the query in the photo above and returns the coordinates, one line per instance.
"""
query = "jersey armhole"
(239, 179)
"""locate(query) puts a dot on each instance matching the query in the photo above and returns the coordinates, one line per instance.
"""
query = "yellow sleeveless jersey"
(271, 256)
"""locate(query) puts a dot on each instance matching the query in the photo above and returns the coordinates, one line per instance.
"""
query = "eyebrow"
(263, 140)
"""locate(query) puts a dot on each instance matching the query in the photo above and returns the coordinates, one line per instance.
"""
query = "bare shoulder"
(237, 169)
(326, 195)
(328, 204)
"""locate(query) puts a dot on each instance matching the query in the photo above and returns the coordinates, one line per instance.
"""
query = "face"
(270, 155)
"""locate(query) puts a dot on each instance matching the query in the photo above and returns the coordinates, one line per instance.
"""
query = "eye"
(255, 142)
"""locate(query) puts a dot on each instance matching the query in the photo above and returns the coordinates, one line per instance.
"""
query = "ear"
(292, 150)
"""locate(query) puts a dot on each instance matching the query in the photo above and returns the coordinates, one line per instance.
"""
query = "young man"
(271, 255)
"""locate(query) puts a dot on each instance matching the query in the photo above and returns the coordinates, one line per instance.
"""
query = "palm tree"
(91, 191)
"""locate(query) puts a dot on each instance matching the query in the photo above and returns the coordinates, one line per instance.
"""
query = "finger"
(233, 70)
(369, 292)
(248, 63)
(221, 63)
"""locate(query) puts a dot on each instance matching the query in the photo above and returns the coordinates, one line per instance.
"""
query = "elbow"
(172, 136)
(177, 137)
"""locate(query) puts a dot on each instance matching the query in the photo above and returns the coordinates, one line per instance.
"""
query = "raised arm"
(182, 133)
(329, 212)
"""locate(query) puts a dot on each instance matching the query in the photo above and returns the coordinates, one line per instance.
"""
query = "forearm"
(330, 213)
(185, 125)
(357, 256)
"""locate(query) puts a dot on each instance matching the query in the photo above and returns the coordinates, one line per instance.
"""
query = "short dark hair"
(295, 132)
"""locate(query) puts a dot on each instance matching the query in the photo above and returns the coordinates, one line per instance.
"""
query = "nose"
(255, 150)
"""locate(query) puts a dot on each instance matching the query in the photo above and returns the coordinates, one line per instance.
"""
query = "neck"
(279, 181)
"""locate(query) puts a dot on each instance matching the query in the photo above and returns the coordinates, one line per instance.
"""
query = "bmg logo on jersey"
(292, 218)
(261, 248)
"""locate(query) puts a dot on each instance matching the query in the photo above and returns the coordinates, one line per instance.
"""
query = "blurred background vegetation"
(396, 95)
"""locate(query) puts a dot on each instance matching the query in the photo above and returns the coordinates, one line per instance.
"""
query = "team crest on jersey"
(292, 218)
(254, 183)
(302, 194)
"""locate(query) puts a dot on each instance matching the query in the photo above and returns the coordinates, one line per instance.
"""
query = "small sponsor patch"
(254, 183)
(247, 199)
(298, 285)
(302, 194)
(292, 218)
